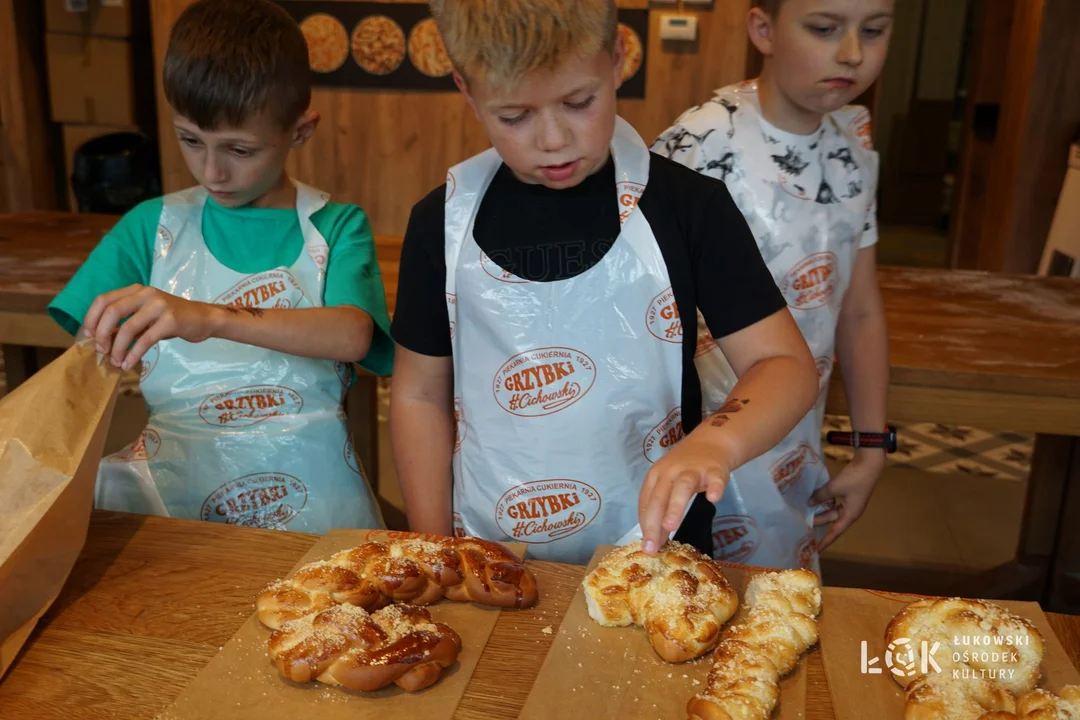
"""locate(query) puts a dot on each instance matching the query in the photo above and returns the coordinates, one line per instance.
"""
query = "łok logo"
(902, 659)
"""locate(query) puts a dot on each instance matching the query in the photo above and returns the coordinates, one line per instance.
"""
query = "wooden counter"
(151, 600)
(996, 352)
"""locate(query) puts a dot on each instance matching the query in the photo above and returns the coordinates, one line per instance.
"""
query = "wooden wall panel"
(1040, 114)
(26, 172)
(384, 150)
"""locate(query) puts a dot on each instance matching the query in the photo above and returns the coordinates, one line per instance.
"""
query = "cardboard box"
(90, 79)
(74, 136)
(110, 18)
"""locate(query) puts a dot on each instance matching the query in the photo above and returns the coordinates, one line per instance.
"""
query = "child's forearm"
(340, 333)
(422, 437)
(862, 347)
(765, 404)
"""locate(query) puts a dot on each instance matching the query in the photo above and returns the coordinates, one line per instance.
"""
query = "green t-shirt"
(247, 240)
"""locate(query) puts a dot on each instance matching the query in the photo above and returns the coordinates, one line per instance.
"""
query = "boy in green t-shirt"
(246, 297)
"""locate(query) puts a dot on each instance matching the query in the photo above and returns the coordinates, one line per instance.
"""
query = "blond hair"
(500, 41)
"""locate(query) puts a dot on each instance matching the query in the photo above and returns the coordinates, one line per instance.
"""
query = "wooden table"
(151, 600)
(991, 351)
(998, 352)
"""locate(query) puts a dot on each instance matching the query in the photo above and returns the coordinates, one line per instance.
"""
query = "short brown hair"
(769, 6)
(231, 59)
(502, 40)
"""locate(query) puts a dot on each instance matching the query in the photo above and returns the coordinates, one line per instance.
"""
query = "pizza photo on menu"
(327, 41)
(378, 45)
(427, 51)
(634, 51)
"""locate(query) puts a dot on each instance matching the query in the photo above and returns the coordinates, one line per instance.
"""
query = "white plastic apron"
(240, 434)
(810, 248)
(562, 386)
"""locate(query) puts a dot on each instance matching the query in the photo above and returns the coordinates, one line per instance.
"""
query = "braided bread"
(1043, 705)
(419, 572)
(679, 596)
(752, 657)
(940, 696)
(974, 637)
(344, 645)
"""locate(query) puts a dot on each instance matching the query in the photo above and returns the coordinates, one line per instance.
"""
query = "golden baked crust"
(427, 51)
(975, 638)
(634, 51)
(346, 646)
(419, 572)
(752, 657)
(378, 44)
(679, 596)
(327, 41)
(1044, 705)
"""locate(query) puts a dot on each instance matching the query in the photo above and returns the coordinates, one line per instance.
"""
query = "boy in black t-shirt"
(546, 309)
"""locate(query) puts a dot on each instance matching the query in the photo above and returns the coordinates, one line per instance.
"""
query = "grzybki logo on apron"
(662, 318)
(543, 381)
(664, 436)
(542, 511)
(247, 406)
(263, 290)
(265, 500)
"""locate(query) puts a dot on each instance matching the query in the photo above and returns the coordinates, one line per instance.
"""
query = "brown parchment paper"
(52, 431)
(241, 683)
(593, 672)
(858, 615)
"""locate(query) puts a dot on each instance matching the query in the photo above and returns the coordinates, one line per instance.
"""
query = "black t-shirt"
(546, 235)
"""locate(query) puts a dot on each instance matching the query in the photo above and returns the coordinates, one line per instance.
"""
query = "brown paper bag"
(52, 431)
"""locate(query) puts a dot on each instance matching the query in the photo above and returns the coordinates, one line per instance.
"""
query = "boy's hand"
(152, 316)
(694, 465)
(850, 492)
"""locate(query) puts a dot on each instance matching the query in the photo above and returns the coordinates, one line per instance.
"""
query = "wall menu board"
(396, 46)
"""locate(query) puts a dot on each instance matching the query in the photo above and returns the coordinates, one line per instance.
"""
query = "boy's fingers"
(834, 532)
(111, 317)
(716, 483)
(146, 341)
(682, 491)
(646, 493)
(826, 517)
(135, 327)
(823, 494)
(93, 315)
(652, 515)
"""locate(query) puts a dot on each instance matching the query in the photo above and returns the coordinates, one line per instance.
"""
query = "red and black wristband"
(878, 441)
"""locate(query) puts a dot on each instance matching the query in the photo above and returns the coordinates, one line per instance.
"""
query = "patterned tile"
(937, 448)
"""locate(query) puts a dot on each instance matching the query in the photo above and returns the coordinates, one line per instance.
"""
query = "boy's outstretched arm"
(341, 333)
(862, 346)
(422, 436)
(777, 386)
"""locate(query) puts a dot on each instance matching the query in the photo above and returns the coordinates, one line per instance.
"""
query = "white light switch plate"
(678, 27)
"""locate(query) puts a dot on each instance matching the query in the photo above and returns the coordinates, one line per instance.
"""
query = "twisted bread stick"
(752, 656)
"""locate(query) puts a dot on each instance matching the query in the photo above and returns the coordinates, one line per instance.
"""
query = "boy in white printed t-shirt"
(798, 161)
